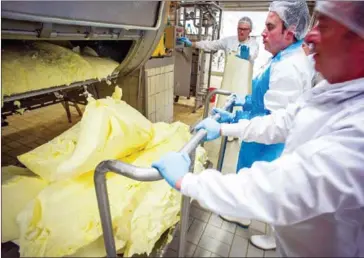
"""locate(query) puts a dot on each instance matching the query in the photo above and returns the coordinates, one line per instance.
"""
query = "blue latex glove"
(184, 40)
(225, 116)
(244, 52)
(211, 126)
(173, 167)
(238, 102)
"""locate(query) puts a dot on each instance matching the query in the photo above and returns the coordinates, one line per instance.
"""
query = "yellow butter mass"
(64, 217)
(18, 187)
(109, 129)
(39, 65)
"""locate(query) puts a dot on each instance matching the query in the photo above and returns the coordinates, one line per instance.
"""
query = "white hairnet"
(246, 20)
(348, 13)
(294, 14)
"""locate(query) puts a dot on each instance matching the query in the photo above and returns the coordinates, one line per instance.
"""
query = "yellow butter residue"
(18, 187)
(39, 65)
(109, 129)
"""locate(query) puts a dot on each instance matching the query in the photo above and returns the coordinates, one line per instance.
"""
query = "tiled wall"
(159, 84)
(129, 85)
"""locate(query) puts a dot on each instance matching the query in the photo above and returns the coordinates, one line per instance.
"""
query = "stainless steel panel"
(182, 72)
(137, 13)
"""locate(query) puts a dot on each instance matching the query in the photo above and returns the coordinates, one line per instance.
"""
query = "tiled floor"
(32, 129)
(208, 234)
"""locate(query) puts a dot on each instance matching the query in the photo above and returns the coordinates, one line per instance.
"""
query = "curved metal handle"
(136, 173)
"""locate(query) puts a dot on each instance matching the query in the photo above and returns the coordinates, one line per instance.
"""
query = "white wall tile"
(151, 71)
(156, 83)
(166, 97)
(171, 79)
(151, 117)
(149, 86)
(151, 104)
(166, 81)
(157, 70)
(152, 80)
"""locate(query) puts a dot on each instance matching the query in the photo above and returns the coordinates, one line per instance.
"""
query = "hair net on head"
(246, 20)
(350, 14)
(294, 14)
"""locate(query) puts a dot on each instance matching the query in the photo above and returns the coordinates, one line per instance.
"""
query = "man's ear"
(289, 35)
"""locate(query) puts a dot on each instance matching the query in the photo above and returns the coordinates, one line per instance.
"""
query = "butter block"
(109, 129)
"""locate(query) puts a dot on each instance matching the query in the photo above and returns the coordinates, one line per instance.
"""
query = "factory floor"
(208, 234)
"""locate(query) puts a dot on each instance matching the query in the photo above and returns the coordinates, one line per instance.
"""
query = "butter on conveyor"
(40, 65)
(109, 129)
(18, 187)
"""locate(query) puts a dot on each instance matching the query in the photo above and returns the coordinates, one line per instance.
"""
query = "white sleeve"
(213, 45)
(269, 129)
(322, 176)
(286, 84)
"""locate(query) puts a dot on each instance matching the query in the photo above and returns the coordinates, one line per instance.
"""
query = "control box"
(171, 35)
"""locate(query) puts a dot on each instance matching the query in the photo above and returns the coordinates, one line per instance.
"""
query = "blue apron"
(254, 106)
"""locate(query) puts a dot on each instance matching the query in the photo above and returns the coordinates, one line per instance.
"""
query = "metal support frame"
(55, 89)
(144, 174)
(220, 160)
(200, 8)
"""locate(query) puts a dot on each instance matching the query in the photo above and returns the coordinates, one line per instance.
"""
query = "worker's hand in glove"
(225, 116)
(238, 102)
(244, 52)
(184, 40)
(211, 126)
(173, 167)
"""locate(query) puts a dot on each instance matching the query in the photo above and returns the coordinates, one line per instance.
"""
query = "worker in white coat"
(313, 194)
(230, 44)
(286, 76)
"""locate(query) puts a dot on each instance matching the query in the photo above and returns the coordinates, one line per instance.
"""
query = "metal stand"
(220, 160)
(143, 174)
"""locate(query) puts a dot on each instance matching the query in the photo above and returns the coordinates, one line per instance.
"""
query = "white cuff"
(235, 130)
(189, 185)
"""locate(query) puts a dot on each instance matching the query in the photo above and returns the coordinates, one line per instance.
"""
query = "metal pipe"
(220, 160)
(222, 151)
(185, 213)
(194, 18)
(220, 18)
(208, 99)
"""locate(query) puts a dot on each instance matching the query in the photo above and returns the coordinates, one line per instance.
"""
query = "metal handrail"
(141, 174)
(221, 157)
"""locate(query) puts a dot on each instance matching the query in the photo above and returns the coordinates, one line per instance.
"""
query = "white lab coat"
(230, 44)
(289, 78)
(313, 194)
